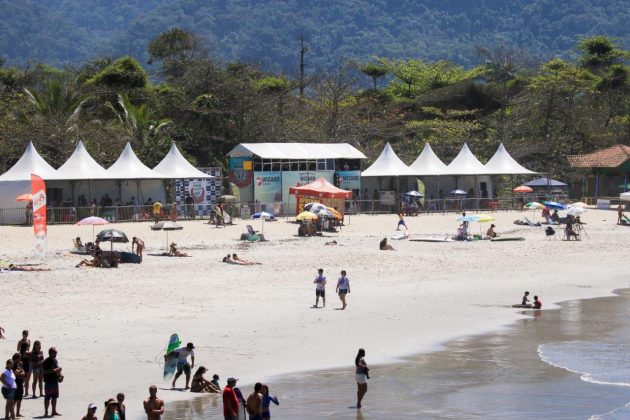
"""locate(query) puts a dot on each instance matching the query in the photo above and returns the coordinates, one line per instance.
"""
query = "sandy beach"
(255, 322)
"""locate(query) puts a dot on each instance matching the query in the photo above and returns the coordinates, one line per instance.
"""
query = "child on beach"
(401, 222)
(537, 303)
(525, 300)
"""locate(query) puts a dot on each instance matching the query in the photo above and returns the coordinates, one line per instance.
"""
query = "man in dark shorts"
(182, 362)
(52, 374)
(320, 289)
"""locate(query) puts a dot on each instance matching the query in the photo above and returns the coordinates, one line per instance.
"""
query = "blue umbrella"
(554, 205)
(414, 194)
(263, 215)
(469, 218)
(458, 192)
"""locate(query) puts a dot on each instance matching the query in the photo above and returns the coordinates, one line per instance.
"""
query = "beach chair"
(550, 233)
(78, 249)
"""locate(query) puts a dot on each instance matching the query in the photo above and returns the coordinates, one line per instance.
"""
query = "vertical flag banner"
(38, 189)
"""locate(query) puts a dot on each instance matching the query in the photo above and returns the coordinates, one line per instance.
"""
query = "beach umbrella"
(92, 221)
(306, 215)
(484, 218)
(554, 205)
(314, 206)
(576, 211)
(228, 198)
(262, 215)
(414, 194)
(323, 212)
(24, 197)
(112, 235)
(458, 192)
(578, 204)
(167, 226)
(335, 213)
(523, 189)
(469, 218)
(534, 206)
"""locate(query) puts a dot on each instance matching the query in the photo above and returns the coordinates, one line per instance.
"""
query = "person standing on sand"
(91, 412)
(8, 389)
(19, 382)
(52, 376)
(320, 288)
(230, 400)
(361, 373)
(182, 362)
(37, 361)
(343, 288)
(24, 347)
(254, 403)
(139, 244)
(619, 214)
(401, 222)
(153, 406)
(121, 406)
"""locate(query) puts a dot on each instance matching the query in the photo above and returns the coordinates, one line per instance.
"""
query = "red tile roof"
(610, 157)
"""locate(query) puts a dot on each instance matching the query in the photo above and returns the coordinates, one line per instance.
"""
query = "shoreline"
(255, 322)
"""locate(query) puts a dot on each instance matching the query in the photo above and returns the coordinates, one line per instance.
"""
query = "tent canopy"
(543, 182)
(388, 164)
(128, 166)
(465, 163)
(503, 163)
(31, 162)
(428, 163)
(81, 166)
(175, 166)
(320, 188)
(297, 151)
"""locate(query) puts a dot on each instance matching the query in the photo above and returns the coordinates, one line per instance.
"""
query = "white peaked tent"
(175, 166)
(128, 166)
(428, 163)
(388, 164)
(81, 166)
(503, 163)
(30, 163)
(465, 163)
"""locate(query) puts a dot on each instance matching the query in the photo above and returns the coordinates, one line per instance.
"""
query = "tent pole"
(597, 186)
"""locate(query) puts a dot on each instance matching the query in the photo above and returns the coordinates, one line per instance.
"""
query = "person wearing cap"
(153, 406)
(490, 233)
(182, 362)
(91, 412)
(230, 400)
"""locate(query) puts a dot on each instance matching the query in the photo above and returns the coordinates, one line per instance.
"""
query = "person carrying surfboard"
(182, 362)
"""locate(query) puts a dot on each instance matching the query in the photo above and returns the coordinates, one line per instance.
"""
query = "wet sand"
(496, 375)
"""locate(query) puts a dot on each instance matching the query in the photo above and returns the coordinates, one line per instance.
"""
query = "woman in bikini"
(37, 362)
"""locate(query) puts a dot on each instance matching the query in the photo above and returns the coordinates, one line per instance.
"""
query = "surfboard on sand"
(399, 235)
(507, 238)
(431, 239)
(170, 360)
(518, 305)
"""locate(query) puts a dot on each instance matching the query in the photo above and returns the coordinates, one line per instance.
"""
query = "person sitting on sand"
(537, 303)
(96, 262)
(78, 243)
(490, 233)
(384, 246)
(201, 384)
(525, 300)
(215, 382)
(555, 217)
(236, 258)
(174, 252)
(228, 259)
(13, 267)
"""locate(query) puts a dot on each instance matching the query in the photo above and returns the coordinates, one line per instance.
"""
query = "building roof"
(611, 157)
(31, 162)
(80, 165)
(320, 188)
(428, 163)
(175, 166)
(388, 164)
(297, 151)
(128, 166)
(465, 163)
(503, 163)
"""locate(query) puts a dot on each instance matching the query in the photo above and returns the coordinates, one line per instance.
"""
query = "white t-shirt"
(321, 282)
(9, 378)
(343, 283)
(183, 353)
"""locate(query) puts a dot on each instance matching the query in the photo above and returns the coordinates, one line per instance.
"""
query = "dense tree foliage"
(268, 31)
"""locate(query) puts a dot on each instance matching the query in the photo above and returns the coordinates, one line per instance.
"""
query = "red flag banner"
(38, 189)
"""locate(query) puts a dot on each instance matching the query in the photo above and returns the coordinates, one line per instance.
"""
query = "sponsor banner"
(268, 187)
(242, 176)
(349, 180)
(297, 179)
(38, 190)
(388, 198)
(204, 192)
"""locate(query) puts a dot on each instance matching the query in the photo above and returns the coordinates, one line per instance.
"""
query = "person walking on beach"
(266, 402)
(230, 400)
(254, 403)
(8, 389)
(343, 288)
(153, 406)
(52, 376)
(320, 288)
(362, 375)
(139, 244)
(37, 370)
(401, 222)
(182, 362)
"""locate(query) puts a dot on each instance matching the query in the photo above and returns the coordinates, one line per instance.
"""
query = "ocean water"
(571, 363)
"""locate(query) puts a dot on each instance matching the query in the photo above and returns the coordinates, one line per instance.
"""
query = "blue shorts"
(401, 222)
(343, 291)
(8, 393)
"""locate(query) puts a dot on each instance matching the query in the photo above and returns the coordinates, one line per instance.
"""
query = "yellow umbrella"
(335, 213)
(484, 218)
(307, 215)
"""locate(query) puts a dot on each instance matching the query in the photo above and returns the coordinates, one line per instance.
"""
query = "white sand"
(253, 322)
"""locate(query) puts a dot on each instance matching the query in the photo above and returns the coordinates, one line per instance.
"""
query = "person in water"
(537, 303)
(525, 300)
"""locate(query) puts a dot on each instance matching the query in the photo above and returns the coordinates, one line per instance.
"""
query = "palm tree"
(56, 102)
(138, 120)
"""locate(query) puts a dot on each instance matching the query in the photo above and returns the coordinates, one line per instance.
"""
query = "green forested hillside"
(268, 31)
